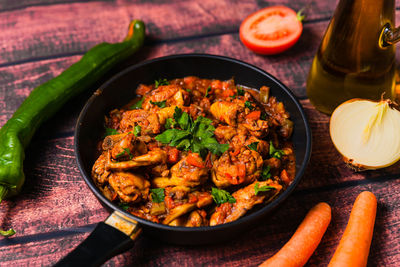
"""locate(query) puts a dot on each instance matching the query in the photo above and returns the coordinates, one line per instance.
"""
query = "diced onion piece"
(366, 133)
(157, 208)
(264, 94)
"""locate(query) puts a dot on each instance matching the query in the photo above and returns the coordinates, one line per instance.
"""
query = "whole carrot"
(353, 248)
(300, 247)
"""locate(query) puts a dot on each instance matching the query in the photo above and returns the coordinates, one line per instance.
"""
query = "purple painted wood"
(56, 210)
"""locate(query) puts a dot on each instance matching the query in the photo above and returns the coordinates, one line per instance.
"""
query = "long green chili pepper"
(47, 99)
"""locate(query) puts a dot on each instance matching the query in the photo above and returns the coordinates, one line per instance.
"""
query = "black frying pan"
(118, 232)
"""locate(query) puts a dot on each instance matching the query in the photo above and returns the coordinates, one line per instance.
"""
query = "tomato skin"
(271, 30)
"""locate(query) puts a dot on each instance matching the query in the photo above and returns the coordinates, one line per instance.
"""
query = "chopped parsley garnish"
(124, 206)
(138, 104)
(263, 116)
(265, 173)
(160, 82)
(188, 90)
(264, 188)
(253, 146)
(111, 131)
(197, 136)
(161, 104)
(207, 91)
(240, 91)
(275, 153)
(126, 151)
(169, 123)
(221, 196)
(248, 105)
(157, 195)
(137, 130)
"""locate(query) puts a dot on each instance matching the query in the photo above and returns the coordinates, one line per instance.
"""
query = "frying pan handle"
(108, 239)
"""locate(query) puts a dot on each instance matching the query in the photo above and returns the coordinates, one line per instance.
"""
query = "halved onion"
(366, 133)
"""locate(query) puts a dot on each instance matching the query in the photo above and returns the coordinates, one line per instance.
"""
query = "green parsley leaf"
(253, 146)
(110, 131)
(265, 173)
(263, 116)
(168, 136)
(160, 82)
(188, 90)
(182, 119)
(9, 232)
(221, 196)
(157, 195)
(137, 130)
(248, 105)
(275, 153)
(240, 91)
(161, 104)
(137, 105)
(169, 123)
(197, 136)
(215, 147)
(264, 188)
(207, 91)
(124, 206)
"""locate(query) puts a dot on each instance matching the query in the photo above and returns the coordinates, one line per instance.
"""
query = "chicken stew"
(195, 152)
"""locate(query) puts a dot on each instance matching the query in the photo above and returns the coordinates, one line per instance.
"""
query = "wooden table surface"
(56, 210)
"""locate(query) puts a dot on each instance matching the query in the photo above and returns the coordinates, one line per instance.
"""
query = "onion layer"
(366, 133)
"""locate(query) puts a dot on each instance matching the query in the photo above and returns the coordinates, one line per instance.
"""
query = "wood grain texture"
(67, 29)
(56, 210)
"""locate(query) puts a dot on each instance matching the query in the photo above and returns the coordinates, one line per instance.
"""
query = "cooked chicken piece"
(143, 211)
(128, 147)
(196, 199)
(148, 121)
(246, 199)
(262, 146)
(165, 113)
(257, 128)
(239, 141)
(151, 158)
(130, 187)
(226, 111)
(180, 221)
(172, 94)
(179, 211)
(143, 89)
(183, 173)
(110, 140)
(196, 218)
(124, 147)
(224, 133)
(240, 169)
(99, 172)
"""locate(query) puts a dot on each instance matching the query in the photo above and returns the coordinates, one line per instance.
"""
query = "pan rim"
(250, 217)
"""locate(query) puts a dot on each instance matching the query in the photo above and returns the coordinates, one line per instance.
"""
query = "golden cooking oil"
(351, 61)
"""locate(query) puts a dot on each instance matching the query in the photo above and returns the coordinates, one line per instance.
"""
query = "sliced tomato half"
(271, 30)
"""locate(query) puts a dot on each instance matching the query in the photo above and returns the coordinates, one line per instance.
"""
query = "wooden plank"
(251, 248)
(66, 29)
(10, 5)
